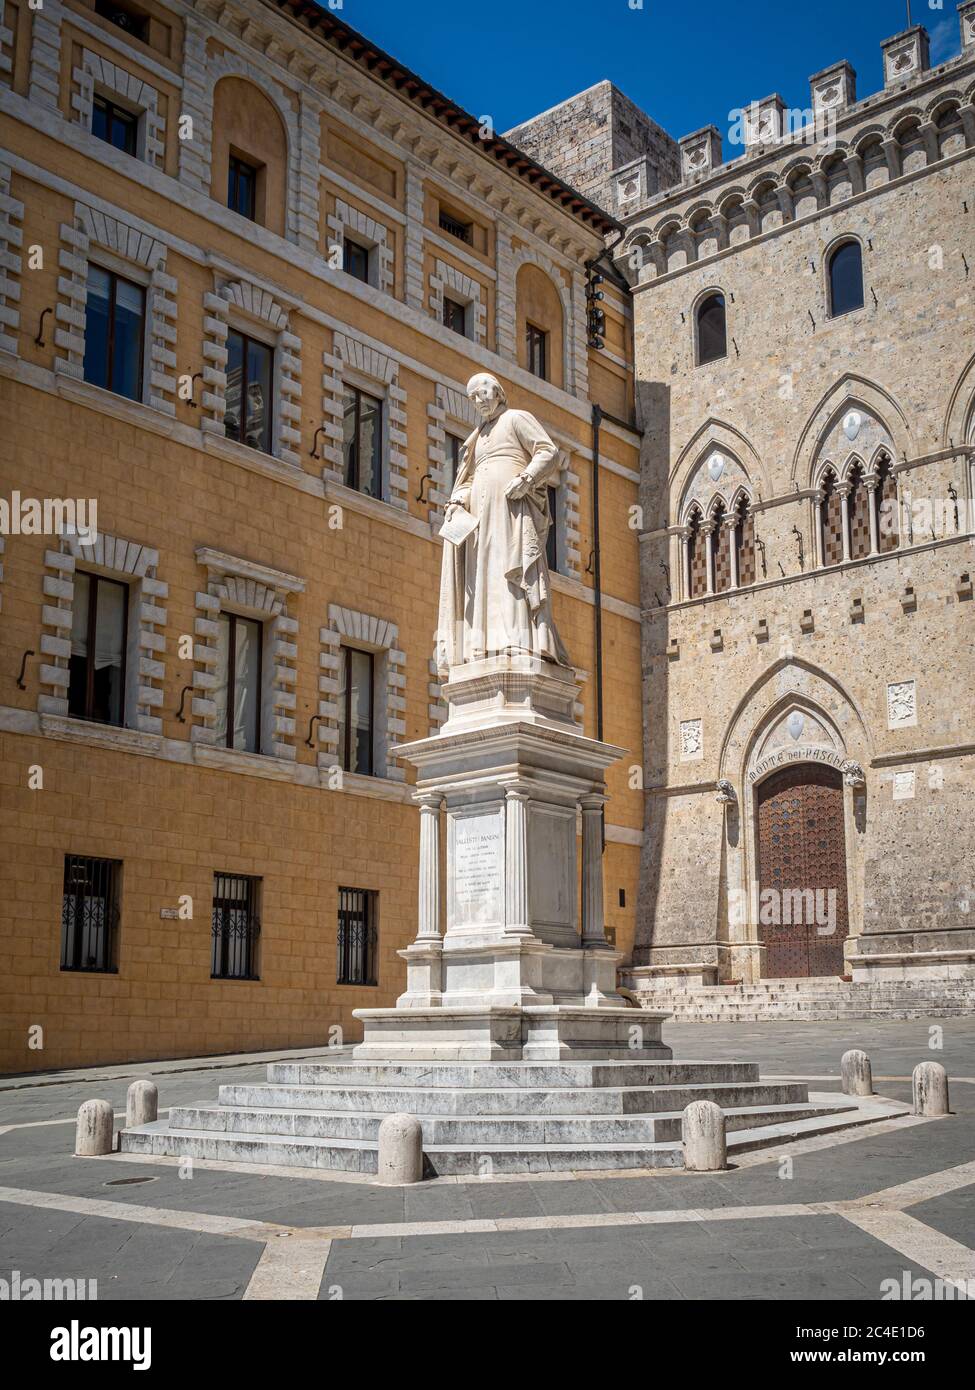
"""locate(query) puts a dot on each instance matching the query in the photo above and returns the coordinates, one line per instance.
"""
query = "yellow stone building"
(247, 264)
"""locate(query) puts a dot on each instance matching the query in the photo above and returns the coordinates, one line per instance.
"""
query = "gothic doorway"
(804, 919)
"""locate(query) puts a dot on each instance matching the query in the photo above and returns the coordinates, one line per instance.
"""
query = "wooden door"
(802, 856)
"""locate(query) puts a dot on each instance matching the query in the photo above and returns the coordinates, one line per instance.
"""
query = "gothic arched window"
(720, 551)
(845, 270)
(697, 560)
(712, 330)
(858, 514)
(885, 500)
(830, 522)
(744, 543)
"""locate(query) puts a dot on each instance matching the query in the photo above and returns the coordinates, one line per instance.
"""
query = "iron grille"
(90, 913)
(356, 954)
(453, 225)
(235, 927)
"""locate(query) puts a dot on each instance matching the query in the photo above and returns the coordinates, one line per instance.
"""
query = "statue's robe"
(495, 589)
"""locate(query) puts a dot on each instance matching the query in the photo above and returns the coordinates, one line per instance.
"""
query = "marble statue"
(495, 588)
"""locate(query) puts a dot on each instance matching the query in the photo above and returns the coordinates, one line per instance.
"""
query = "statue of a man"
(495, 590)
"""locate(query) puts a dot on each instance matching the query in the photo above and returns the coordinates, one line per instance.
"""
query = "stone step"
(478, 1130)
(512, 1100)
(498, 1075)
(360, 1155)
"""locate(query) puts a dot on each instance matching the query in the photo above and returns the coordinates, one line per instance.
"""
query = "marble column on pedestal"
(516, 904)
(429, 894)
(593, 916)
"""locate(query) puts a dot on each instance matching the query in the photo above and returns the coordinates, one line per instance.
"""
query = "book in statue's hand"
(459, 527)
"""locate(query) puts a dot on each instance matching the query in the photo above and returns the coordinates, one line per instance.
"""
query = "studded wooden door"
(802, 857)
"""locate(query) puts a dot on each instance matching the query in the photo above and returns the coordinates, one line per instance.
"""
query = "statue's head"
(486, 393)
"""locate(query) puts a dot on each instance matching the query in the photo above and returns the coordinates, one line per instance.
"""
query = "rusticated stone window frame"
(446, 280)
(11, 218)
(372, 234)
(254, 591)
(132, 251)
(450, 412)
(240, 305)
(98, 74)
(347, 628)
(355, 363)
(135, 565)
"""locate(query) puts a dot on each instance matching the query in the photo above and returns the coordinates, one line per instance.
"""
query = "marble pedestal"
(513, 976)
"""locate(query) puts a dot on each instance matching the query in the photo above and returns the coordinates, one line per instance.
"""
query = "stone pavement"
(895, 1201)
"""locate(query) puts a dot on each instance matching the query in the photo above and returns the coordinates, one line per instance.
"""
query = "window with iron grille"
(235, 927)
(536, 344)
(90, 914)
(113, 124)
(356, 954)
(463, 231)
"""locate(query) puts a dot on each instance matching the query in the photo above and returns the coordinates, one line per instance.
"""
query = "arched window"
(858, 514)
(885, 500)
(744, 543)
(712, 330)
(697, 558)
(845, 279)
(720, 551)
(830, 522)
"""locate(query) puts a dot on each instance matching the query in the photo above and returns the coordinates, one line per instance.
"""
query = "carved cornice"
(268, 27)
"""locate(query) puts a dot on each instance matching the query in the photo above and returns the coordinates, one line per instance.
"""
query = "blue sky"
(687, 63)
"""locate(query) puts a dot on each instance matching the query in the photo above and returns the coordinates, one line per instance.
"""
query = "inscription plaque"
(475, 869)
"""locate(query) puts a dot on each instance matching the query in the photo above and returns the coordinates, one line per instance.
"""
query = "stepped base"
(484, 1119)
(824, 999)
(542, 1033)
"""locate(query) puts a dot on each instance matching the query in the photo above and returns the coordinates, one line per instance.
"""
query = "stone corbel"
(967, 114)
(720, 224)
(854, 164)
(929, 132)
(892, 150)
(786, 201)
(726, 794)
(853, 775)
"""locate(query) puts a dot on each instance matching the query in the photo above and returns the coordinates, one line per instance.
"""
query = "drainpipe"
(597, 572)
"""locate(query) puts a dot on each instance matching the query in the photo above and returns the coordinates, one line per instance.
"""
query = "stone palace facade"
(248, 262)
(805, 358)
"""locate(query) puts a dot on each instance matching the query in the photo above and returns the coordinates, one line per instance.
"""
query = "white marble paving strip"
(947, 1258)
(202, 1222)
(289, 1268)
(908, 1194)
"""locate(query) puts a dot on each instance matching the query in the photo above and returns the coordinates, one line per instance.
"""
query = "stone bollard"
(400, 1149)
(703, 1137)
(95, 1132)
(141, 1104)
(856, 1073)
(930, 1089)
